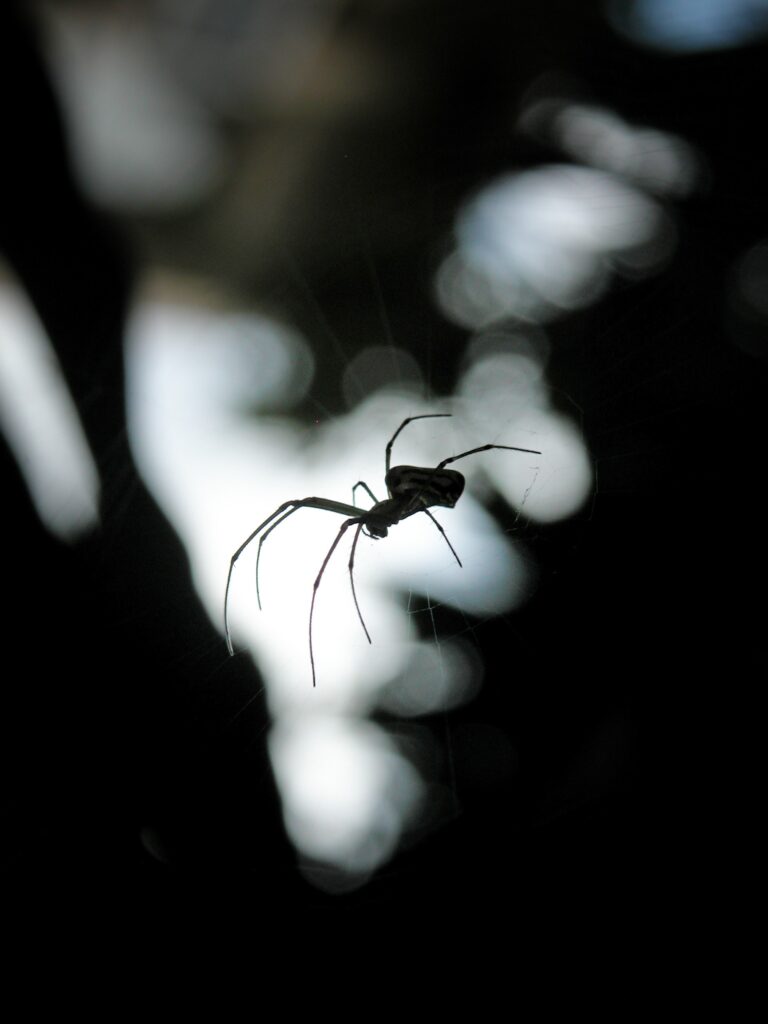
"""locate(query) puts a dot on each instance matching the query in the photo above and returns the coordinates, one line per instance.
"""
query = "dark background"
(627, 684)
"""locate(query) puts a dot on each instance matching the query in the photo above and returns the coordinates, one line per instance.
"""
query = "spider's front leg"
(409, 419)
(485, 448)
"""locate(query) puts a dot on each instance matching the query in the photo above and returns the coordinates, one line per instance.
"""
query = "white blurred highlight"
(41, 424)
(658, 161)
(138, 141)
(690, 25)
(242, 57)
(509, 387)
(439, 677)
(380, 366)
(540, 243)
(347, 792)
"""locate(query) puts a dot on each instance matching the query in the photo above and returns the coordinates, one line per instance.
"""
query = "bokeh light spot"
(690, 25)
(41, 423)
(540, 243)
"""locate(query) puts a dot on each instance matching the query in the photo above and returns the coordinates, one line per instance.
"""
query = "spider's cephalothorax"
(411, 489)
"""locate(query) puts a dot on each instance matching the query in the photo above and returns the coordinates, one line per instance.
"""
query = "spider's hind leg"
(351, 567)
(342, 530)
(291, 506)
(261, 541)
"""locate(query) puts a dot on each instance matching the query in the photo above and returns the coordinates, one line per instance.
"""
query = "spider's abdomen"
(427, 486)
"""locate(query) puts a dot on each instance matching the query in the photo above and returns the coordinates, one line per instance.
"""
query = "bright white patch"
(138, 141)
(690, 25)
(537, 244)
(659, 161)
(346, 790)
(219, 470)
(549, 487)
(40, 422)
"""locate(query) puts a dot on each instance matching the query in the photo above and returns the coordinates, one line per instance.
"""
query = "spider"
(411, 489)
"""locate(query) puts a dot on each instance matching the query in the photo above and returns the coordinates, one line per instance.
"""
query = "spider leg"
(292, 505)
(485, 448)
(410, 419)
(367, 489)
(371, 495)
(351, 567)
(342, 530)
(445, 536)
(281, 513)
(261, 541)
